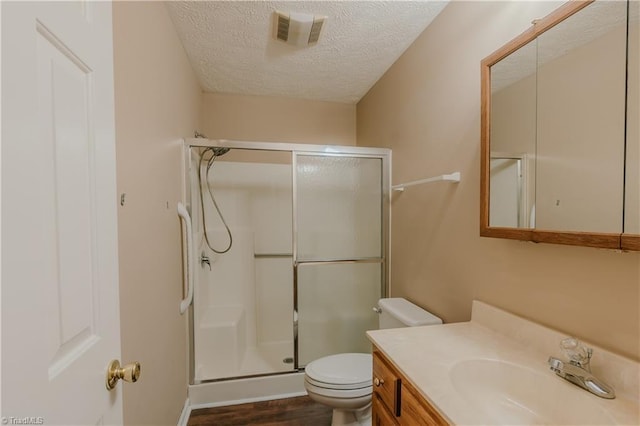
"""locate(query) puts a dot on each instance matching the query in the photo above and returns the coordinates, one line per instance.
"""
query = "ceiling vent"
(298, 29)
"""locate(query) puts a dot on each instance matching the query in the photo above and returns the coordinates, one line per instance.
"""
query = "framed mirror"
(631, 226)
(558, 130)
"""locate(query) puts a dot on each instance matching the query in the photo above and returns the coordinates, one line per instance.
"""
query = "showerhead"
(219, 151)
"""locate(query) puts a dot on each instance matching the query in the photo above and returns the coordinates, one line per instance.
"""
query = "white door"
(60, 314)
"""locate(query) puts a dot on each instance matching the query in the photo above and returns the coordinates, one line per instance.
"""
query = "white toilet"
(343, 381)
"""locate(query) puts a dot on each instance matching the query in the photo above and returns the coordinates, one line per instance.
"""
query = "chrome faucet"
(578, 370)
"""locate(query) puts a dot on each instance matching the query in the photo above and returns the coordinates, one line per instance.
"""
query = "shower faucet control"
(205, 259)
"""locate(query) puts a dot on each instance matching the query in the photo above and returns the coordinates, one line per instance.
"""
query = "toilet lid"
(350, 369)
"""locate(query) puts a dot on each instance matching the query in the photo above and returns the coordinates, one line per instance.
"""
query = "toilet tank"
(398, 312)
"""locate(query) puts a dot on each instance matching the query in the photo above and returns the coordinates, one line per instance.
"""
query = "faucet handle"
(576, 351)
(555, 364)
(204, 259)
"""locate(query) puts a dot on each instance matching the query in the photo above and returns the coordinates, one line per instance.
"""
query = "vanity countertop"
(493, 370)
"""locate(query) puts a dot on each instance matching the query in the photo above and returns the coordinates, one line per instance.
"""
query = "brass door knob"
(128, 373)
(378, 382)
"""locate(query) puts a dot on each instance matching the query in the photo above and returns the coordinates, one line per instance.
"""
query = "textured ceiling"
(232, 49)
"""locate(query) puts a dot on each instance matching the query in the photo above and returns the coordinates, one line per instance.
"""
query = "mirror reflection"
(581, 121)
(513, 139)
(558, 117)
(632, 177)
(509, 191)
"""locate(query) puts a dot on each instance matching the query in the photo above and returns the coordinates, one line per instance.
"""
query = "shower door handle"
(188, 271)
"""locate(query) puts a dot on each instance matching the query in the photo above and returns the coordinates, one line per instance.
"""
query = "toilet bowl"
(344, 381)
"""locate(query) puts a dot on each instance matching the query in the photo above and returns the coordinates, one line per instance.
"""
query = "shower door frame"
(384, 154)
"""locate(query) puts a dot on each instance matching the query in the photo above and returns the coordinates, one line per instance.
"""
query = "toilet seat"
(337, 394)
(350, 386)
(348, 371)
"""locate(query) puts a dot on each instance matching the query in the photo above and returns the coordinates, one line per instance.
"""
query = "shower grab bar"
(188, 271)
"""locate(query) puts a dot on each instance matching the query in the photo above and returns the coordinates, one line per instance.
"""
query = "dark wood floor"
(299, 411)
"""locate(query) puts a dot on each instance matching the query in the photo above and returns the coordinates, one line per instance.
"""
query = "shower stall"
(290, 245)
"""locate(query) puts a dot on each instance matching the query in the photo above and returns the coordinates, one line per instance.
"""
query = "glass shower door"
(339, 255)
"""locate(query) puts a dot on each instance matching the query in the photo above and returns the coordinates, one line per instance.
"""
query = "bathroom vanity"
(492, 370)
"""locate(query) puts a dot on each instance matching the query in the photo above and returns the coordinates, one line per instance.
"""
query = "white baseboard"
(186, 412)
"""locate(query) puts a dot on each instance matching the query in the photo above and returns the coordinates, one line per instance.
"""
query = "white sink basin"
(514, 394)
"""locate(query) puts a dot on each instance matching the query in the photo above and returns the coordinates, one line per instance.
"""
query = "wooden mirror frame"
(588, 239)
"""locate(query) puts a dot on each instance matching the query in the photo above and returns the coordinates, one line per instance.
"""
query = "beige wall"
(157, 103)
(427, 109)
(273, 119)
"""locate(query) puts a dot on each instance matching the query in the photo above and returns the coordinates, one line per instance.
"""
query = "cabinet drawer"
(386, 384)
